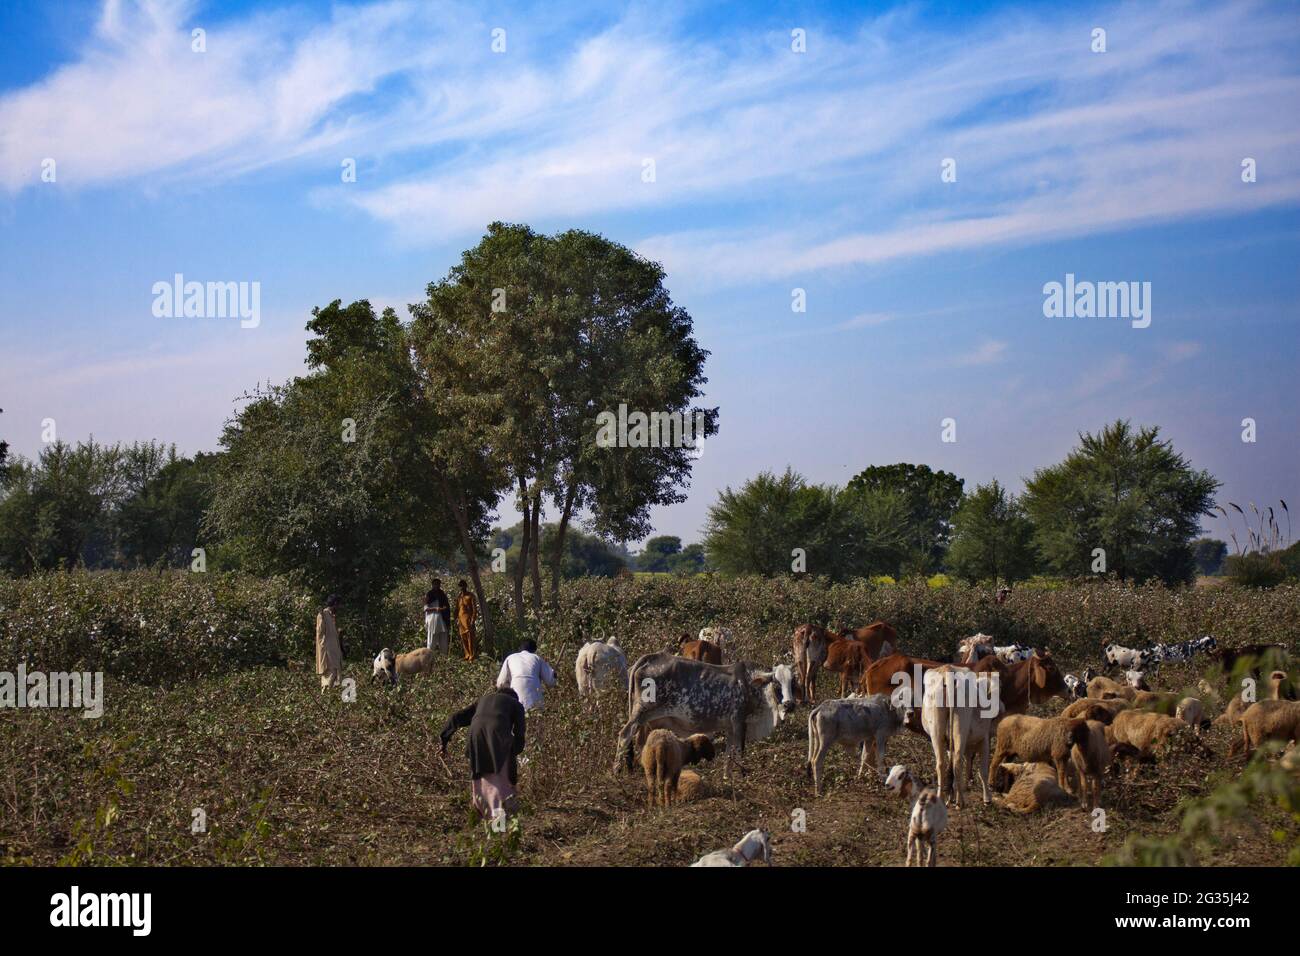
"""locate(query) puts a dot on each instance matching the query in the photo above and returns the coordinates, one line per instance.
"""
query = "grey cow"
(692, 697)
(865, 722)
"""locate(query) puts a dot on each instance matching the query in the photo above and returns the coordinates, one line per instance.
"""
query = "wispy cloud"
(1050, 139)
(986, 353)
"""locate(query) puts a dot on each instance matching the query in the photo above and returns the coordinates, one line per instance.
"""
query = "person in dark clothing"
(496, 739)
(437, 617)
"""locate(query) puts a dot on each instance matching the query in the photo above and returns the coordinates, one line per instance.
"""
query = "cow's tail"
(813, 741)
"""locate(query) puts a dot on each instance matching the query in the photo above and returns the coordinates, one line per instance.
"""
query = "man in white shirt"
(525, 672)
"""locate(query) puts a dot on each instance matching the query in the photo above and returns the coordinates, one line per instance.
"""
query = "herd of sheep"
(972, 710)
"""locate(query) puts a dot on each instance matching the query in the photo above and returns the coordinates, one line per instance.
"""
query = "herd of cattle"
(973, 711)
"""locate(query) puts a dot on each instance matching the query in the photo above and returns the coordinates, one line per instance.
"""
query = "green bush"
(158, 628)
(150, 627)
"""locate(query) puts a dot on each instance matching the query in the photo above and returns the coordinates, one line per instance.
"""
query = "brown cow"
(705, 651)
(811, 642)
(879, 637)
(1031, 681)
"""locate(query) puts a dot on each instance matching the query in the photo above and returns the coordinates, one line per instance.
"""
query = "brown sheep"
(1237, 706)
(414, 662)
(1144, 730)
(663, 757)
(1268, 720)
(1159, 701)
(1044, 739)
(1103, 688)
(1103, 711)
(1034, 788)
(1090, 763)
(691, 787)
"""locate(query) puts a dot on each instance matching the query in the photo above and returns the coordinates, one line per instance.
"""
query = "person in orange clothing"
(466, 612)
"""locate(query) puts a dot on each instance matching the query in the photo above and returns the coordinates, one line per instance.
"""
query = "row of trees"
(1122, 503)
(119, 506)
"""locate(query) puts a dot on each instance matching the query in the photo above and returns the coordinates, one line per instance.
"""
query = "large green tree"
(931, 498)
(1124, 491)
(325, 479)
(992, 537)
(524, 343)
(774, 524)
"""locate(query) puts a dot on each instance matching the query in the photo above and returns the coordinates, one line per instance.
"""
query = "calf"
(878, 637)
(811, 642)
(705, 651)
(864, 722)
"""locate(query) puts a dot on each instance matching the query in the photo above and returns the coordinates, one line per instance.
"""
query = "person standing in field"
(329, 653)
(466, 612)
(437, 617)
(496, 724)
(526, 672)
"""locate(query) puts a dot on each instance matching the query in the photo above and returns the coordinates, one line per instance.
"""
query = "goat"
(928, 820)
(752, 845)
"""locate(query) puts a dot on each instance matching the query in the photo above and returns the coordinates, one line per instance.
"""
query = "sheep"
(1103, 711)
(900, 782)
(1046, 739)
(663, 757)
(1268, 720)
(1237, 706)
(1190, 711)
(928, 820)
(1103, 688)
(1090, 763)
(600, 664)
(1163, 702)
(753, 844)
(863, 722)
(1033, 788)
(691, 787)
(1146, 731)
(412, 662)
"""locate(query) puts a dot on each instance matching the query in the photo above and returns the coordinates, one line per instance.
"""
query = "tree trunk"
(521, 566)
(557, 555)
(534, 559)
(460, 514)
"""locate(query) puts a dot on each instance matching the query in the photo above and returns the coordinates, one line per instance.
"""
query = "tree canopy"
(1128, 493)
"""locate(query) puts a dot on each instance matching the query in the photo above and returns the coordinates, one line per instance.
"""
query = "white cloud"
(831, 158)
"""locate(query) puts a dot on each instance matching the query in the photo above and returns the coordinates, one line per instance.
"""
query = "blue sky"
(774, 170)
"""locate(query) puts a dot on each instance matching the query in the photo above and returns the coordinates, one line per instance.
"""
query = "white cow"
(600, 664)
(960, 711)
